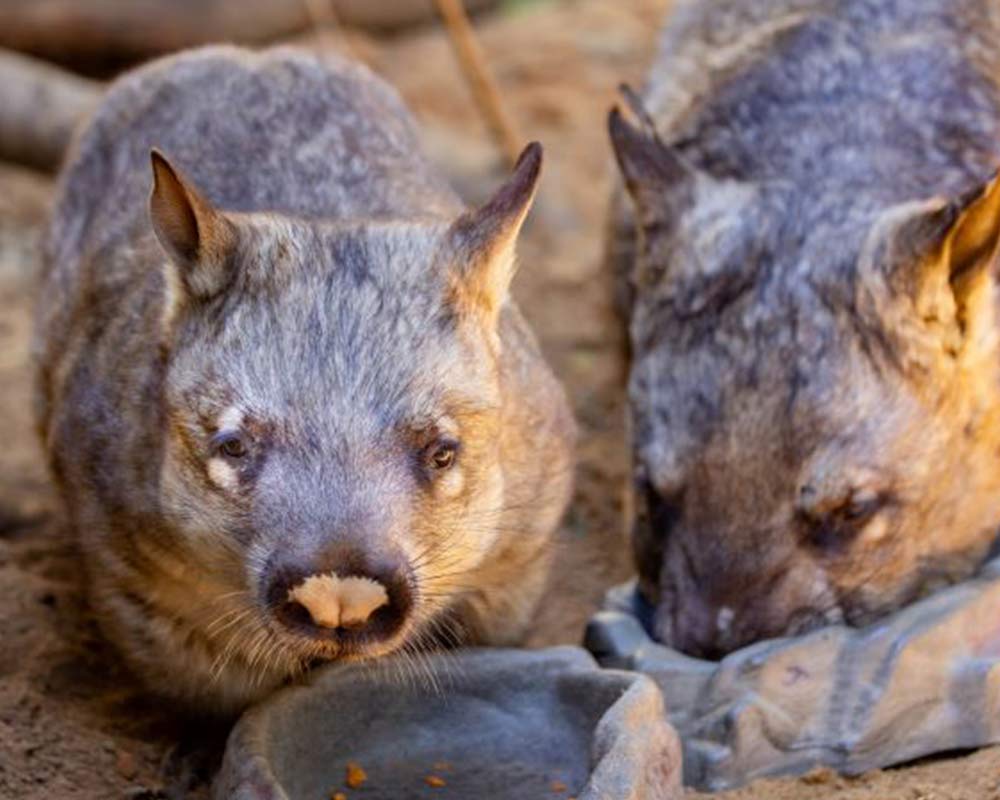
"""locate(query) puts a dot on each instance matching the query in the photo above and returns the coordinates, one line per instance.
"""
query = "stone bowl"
(491, 724)
(924, 680)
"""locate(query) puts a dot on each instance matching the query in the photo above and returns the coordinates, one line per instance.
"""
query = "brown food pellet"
(355, 775)
(559, 786)
(819, 776)
(338, 796)
(435, 780)
(442, 766)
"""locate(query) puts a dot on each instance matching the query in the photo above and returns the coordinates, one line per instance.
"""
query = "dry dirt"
(73, 724)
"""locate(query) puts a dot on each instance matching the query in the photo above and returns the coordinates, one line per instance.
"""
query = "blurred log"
(116, 32)
(41, 106)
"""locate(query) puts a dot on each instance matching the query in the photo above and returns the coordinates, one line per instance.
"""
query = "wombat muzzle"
(341, 594)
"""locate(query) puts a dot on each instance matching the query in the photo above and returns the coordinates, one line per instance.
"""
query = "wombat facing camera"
(808, 259)
(293, 411)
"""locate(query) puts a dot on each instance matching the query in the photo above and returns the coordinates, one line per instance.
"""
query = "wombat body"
(292, 411)
(807, 255)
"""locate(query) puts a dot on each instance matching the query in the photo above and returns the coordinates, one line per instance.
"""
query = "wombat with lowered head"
(293, 412)
(808, 260)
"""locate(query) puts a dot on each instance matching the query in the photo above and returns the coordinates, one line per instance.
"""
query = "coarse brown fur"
(302, 280)
(808, 264)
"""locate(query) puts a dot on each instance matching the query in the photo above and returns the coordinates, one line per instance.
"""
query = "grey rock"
(924, 680)
(507, 723)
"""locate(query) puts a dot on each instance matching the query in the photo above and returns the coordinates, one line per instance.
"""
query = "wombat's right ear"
(652, 170)
(943, 256)
(196, 236)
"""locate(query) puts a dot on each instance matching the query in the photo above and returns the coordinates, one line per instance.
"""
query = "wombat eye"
(862, 507)
(441, 455)
(837, 527)
(231, 445)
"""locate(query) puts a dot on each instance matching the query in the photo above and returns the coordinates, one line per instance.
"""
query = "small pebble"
(819, 776)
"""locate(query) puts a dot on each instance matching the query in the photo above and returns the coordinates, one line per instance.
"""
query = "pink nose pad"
(335, 602)
(340, 594)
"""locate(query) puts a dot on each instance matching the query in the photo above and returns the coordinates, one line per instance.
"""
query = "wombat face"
(814, 401)
(333, 407)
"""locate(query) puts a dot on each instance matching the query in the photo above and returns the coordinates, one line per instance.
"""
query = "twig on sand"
(477, 73)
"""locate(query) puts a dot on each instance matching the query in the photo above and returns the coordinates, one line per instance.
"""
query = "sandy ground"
(73, 724)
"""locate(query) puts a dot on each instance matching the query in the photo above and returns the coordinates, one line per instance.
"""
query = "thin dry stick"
(326, 25)
(477, 73)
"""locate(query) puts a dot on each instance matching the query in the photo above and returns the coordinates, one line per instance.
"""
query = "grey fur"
(332, 325)
(781, 289)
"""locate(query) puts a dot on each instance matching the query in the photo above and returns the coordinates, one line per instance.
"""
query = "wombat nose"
(341, 595)
(335, 602)
(699, 631)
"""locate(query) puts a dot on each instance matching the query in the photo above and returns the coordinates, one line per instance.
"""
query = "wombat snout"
(340, 594)
(699, 631)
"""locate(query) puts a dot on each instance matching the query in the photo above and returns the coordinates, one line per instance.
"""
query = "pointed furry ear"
(939, 252)
(652, 170)
(485, 238)
(975, 236)
(198, 238)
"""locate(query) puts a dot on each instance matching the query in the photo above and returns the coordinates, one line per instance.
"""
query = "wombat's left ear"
(484, 239)
(196, 236)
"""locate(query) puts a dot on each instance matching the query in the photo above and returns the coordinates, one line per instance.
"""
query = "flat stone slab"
(925, 680)
(501, 724)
